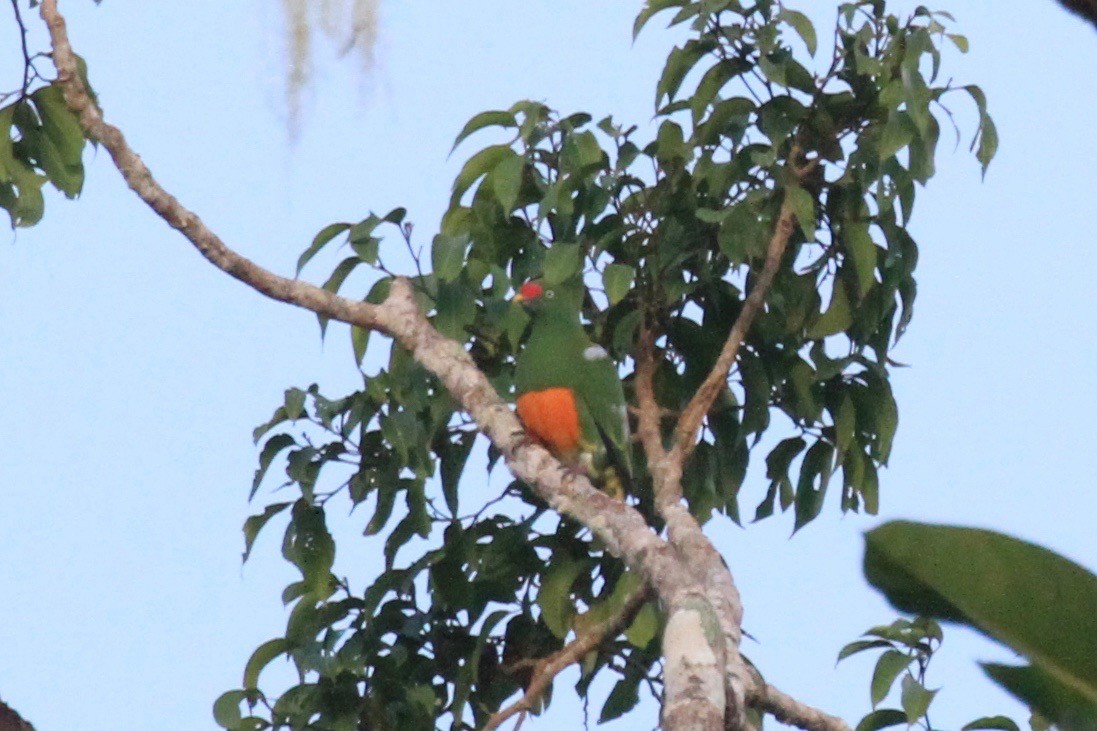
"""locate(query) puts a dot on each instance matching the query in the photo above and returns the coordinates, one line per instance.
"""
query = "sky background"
(132, 372)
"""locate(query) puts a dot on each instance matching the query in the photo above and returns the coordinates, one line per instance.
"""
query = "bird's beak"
(518, 298)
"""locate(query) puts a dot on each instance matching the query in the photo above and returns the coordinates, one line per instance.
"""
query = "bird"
(569, 394)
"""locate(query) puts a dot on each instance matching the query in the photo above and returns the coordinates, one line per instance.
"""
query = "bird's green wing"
(599, 389)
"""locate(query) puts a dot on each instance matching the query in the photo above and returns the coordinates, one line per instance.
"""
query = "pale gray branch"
(792, 712)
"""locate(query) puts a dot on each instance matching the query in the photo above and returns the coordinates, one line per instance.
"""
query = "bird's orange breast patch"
(552, 418)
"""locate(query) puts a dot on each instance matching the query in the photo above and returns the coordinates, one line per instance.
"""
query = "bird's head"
(537, 295)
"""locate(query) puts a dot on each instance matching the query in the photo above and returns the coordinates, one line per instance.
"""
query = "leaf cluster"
(669, 235)
(40, 141)
(907, 648)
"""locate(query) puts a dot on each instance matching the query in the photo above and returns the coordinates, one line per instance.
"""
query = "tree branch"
(790, 711)
(140, 180)
(706, 679)
(620, 527)
(685, 436)
(546, 670)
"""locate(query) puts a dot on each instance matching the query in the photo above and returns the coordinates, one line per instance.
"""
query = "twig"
(28, 64)
(546, 670)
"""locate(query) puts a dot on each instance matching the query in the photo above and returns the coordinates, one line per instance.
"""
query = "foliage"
(1036, 602)
(40, 141)
(907, 648)
(669, 235)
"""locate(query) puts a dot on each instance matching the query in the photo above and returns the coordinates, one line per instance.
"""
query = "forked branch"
(670, 570)
(685, 435)
(546, 670)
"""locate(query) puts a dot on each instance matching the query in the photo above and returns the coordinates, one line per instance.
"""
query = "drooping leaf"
(482, 121)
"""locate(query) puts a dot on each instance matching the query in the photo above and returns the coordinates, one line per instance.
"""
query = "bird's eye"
(549, 294)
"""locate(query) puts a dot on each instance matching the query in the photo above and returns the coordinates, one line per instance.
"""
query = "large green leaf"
(1038, 603)
(1071, 711)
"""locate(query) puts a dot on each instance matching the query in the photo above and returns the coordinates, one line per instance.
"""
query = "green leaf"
(60, 124)
(447, 256)
(802, 25)
(742, 235)
(507, 181)
(452, 457)
(617, 279)
(261, 658)
(775, 71)
(622, 699)
(255, 523)
(483, 120)
(1001, 723)
(860, 646)
(670, 144)
(962, 44)
(359, 340)
(861, 250)
(1067, 707)
(562, 262)
(479, 165)
(888, 667)
(326, 234)
(845, 422)
(881, 719)
(915, 698)
(386, 500)
(777, 464)
(226, 709)
(987, 136)
(1036, 602)
(679, 63)
(456, 311)
(818, 462)
(651, 7)
(554, 596)
(340, 274)
(7, 156)
(294, 403)
(271, 449)
(803, 205)
(403, 431)
(898, 132)
(644, 627)
(838, 316)
(310, 547)
(988, 143)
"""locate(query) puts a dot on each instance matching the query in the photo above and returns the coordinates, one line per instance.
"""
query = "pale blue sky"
(132, 372)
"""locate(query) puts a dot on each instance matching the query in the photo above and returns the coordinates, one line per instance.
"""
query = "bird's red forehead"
(530, 290)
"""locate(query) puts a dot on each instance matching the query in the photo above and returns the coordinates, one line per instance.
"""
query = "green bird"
(570, 397)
